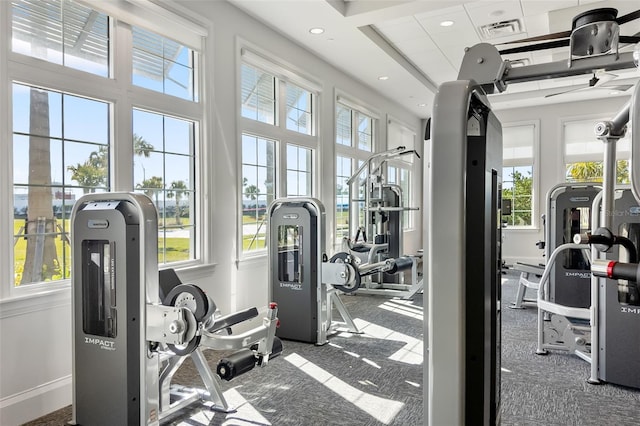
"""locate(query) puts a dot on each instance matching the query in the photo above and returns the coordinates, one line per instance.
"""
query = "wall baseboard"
(36, 402)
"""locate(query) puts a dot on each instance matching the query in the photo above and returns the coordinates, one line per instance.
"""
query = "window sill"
(521, 228)
(34, 301)
(252, 259)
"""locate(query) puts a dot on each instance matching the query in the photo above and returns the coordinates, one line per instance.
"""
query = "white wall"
(35, 334)
(519, 244)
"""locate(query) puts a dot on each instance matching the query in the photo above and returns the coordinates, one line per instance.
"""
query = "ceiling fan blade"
(534, 47)
(603, 78)
(628, 17)
(565, 91)
(629, 39)
(545, 37)
(618, 87)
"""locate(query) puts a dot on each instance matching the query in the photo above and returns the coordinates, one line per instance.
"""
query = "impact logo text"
(107, 345)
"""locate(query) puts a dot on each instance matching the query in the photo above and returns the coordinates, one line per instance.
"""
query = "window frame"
(590, 121)
(535, 171)
(356, 155)
(251, 55)
(122, 96)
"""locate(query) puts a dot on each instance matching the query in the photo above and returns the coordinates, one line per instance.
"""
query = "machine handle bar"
(616, 270)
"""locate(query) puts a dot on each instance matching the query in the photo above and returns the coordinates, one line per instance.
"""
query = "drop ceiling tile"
(431, 21)
(483, 12)
(537, 7)
(401, 32)
(394, 22)
(416, 44)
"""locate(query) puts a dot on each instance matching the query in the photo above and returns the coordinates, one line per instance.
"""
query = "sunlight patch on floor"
(382, 409)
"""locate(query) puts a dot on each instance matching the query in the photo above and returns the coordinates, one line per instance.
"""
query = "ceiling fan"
(599, 80)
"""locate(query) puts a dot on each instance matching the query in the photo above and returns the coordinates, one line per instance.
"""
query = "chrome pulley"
(197, 307)
(354, 282)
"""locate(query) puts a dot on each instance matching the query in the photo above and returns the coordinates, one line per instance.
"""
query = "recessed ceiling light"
(383, 77)
(316, 30)
(422, 105)
(614, 92)
(446, 23)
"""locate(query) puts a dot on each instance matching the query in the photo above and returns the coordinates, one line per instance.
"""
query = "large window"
(355, 142)
(75, 128)
(584, 153)
(401, 176)
(278, 121)
(164, 170)
(62, 32)
(163, 65)
(519, 148)
(56, 158)
(258, 183)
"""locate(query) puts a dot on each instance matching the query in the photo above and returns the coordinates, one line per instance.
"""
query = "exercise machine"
(382, 221)
(461, 124)
(132, 329)
(462, 372)
(306, 283)
(568, 213)
(296, 252)
(616, 321)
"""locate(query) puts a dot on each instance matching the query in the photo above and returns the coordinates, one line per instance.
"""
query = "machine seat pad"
(232, 319)
(579, 321)
(527, 267)
(360, 248)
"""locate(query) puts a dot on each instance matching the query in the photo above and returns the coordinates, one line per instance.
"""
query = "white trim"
(535, 165)
(254, 56)
(122, 96)
(355, 104)
(35, 297)
(268, 62)
(6, 168)
(148, 15)
(32, 403)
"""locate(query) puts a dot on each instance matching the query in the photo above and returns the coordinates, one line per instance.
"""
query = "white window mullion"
(122, 155)
(6, 165)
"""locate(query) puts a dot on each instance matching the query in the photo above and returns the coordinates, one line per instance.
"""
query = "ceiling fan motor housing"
(595, 32)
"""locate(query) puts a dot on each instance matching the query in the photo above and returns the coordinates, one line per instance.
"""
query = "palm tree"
(41, 260)
(141, 147)
(93, 172)
(177, 189)
(592, 171)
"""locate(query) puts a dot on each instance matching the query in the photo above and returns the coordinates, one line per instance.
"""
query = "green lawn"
(176, 249)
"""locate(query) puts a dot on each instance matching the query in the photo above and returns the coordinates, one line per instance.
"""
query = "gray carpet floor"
(376, 378)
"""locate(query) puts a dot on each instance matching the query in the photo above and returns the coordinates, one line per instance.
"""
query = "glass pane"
(37, 111)
(178, 135)
(365, 132)
(147, 131)
(148, 70)
(65, 33)
(40, 160)
(249, 149)
(298, 109)
(162, 65)
(86, 120)
(178, 171)
(178, 80)
(86, 165)
(88, 49)
(258, 95)
(37, 30)
(148, 172)
(343, 125)
(41, 251)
